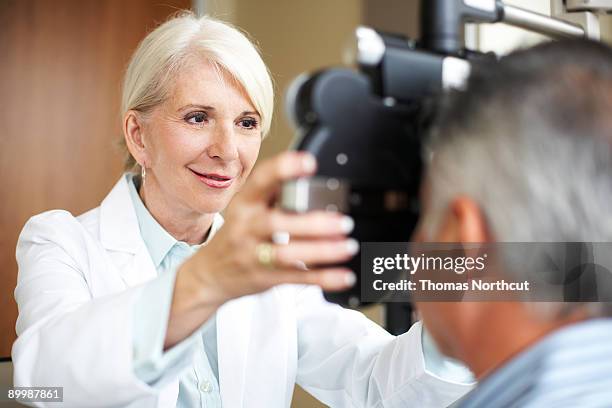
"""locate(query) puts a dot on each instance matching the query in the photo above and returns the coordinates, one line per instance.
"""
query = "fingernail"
(309, 163)
(340, 279)
(347, 224)
(352, 246)
(281, 237)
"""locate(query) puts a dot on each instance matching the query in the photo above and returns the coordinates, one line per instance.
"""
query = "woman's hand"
(231, 265)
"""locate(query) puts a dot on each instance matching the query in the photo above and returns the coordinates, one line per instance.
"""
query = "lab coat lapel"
(120, 236)
(233, 337)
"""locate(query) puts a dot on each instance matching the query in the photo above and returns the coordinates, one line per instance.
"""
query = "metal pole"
(198, 7)
(540, 23)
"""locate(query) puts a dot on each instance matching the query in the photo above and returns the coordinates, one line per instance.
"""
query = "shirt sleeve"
(151, 311)
(441, 366)
(346, 360)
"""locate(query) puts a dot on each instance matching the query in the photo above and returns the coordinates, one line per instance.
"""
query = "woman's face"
(202, 142)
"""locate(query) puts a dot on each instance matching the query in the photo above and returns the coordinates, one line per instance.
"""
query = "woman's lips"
(213, 180)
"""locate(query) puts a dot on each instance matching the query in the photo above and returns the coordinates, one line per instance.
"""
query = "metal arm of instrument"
(539, 23)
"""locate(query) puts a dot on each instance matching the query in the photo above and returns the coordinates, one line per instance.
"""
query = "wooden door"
(61, 66)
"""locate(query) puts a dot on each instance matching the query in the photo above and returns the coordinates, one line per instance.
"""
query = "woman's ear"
(133, 131)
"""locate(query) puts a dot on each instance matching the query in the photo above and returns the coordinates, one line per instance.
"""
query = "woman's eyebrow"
(191, 105)
(250, 113)
(212, 108)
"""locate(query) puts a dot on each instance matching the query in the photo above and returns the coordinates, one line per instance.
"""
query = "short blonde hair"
(163, 52)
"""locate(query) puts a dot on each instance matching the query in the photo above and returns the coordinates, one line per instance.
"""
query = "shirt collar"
(157, 240)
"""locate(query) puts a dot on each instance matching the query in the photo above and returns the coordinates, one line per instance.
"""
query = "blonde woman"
(146, 301)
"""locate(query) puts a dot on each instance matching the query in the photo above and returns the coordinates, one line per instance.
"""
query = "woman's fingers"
(329, 279)
(268, 176)
(317, 238)
(308, 225)
(314, 252)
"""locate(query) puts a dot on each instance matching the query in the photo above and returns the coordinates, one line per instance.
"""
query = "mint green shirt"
(199, 384)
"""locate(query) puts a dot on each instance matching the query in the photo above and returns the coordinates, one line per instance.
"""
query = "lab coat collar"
(120, 236)
(119, 229)
(158, 241)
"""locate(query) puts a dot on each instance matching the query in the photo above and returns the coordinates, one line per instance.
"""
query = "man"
(524, 154)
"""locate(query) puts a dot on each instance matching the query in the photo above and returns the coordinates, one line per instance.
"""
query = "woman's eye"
(197, 117)
(248, 123)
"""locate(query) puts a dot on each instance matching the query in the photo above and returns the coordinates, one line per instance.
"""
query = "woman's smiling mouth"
(214, 180)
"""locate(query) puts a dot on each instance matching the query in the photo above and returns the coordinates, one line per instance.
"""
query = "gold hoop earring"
(143, 174)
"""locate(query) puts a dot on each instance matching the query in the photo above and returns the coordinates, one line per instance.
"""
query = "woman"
(134, 303)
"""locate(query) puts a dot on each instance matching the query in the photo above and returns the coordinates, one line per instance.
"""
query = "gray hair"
(530, 141)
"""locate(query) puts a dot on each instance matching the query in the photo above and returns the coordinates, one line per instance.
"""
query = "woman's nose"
(223, 144)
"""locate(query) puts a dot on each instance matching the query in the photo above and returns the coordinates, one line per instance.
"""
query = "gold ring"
(264, 252)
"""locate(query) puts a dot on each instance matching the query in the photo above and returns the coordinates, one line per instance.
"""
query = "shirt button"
(206, 386)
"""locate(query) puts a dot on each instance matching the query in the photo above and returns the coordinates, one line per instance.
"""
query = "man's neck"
(506, 330)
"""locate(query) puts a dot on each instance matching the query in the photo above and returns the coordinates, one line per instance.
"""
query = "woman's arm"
(67, 338)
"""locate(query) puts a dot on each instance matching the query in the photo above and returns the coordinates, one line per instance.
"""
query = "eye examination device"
(365, 126)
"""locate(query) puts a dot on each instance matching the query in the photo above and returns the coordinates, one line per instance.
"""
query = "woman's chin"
(208, 205)
(211, 200)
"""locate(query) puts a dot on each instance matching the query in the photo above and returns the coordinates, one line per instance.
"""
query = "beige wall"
(61, 67)
(396, 16)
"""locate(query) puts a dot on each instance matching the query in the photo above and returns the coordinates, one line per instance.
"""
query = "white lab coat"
(79, 278)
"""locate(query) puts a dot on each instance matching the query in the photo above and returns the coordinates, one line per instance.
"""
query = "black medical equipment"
(365, 126)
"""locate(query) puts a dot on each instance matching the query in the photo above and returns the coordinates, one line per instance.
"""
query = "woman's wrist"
(199, 288)
(194, 301)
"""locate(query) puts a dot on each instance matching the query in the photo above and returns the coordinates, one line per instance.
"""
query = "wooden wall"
(60, 72)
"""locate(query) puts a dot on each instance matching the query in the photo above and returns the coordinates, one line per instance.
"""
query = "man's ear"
(133, 131)
(469, 220)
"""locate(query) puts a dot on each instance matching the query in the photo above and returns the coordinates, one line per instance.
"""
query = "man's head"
(523, 154)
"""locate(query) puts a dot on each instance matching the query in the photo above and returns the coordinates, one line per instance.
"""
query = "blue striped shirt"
(572, 367)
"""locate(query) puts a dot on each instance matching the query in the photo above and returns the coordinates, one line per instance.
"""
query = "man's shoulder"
(570, 367)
